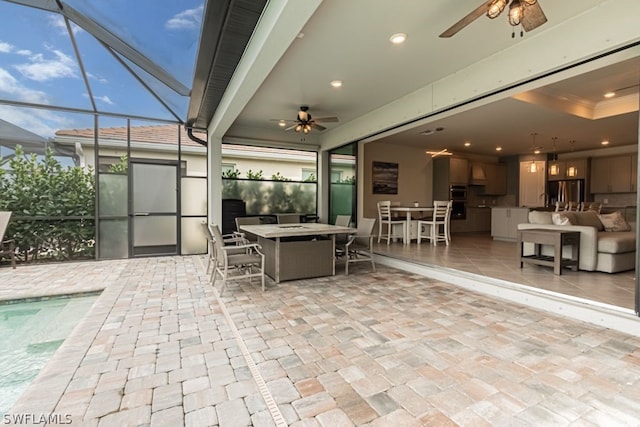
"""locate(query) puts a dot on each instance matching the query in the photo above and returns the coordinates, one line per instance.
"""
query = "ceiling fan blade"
(291, 127)
(317, 126)
(475, 14)
(533, 17)
(326, 120)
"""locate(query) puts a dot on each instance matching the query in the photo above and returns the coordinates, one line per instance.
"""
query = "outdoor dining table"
(406, 238)
(298, 251)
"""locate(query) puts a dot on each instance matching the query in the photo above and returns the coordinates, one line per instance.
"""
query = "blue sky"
(38, 63)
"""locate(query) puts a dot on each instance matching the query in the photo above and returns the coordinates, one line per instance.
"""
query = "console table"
(555, 238)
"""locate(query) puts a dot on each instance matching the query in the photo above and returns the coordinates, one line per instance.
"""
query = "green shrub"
(53, 207)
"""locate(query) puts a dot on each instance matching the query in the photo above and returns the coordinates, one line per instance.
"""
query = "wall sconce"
(572, 171)
(554, 169)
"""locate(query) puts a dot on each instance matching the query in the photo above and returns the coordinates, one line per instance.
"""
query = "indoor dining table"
(406, 238)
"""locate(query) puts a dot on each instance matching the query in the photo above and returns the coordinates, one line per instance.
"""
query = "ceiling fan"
(304, 122)
(525, 12)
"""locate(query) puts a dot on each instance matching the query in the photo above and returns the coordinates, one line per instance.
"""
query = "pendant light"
(554, 169)
(533, 168)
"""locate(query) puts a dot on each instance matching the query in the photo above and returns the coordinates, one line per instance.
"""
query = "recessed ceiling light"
(398, 38)
(605, 142)
(282, 123)
(609, 94)
(336, 83)
(498, 148)
(467, 144)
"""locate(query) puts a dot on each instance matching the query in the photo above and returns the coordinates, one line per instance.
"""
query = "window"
(105, 163)
(228, 167)
(307, 173)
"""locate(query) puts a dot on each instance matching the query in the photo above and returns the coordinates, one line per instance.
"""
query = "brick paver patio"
(388, 348)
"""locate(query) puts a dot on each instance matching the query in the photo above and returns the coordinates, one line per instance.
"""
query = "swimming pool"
(30, 333)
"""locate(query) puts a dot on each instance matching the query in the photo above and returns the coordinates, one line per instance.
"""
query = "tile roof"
(162, 134)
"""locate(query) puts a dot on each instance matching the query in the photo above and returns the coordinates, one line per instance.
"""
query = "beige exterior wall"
(415, 172)
(196, 162)
(289, 169)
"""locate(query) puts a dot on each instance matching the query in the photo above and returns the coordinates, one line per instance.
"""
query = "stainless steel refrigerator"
(571, 190)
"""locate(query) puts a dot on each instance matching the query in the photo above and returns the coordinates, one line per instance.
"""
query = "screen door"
(155, 209)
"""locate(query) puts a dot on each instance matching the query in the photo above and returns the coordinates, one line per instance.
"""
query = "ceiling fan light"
(530, 2)
(516, 11)
(496, 7)
(298, 128)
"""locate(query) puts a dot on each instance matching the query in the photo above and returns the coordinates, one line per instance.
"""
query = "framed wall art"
(385, 178)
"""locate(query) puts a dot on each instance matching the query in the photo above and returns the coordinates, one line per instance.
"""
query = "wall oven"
(458, 195)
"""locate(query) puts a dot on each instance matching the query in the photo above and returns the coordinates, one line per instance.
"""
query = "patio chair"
(7, 247)
(341, 239)
(438, 224)
(244, 261)
(385, 218)
(247, 220)
(288, 218)
(228, 239)
(359, 246)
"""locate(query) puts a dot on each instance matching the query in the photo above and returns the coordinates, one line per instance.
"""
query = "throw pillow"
(540, 217)
(589, 218)
(614, 222)
(560, 219)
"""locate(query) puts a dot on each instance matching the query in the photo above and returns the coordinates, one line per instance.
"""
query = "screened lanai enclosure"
(102, 148)
(95, 160)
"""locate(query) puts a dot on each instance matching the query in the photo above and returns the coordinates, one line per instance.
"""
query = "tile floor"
(478, 253)
(384, 348)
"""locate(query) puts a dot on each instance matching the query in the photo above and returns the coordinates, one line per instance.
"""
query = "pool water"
(30, 333)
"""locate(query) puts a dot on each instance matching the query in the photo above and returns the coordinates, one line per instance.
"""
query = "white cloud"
(24, 52)
(99, 79)
(5, 47)
(42, 122)
(57, 22)
(42, 70)
(104, 99)
(186, 20)
(11, 86)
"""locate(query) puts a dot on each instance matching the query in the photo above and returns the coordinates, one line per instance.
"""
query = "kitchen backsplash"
(617, 199)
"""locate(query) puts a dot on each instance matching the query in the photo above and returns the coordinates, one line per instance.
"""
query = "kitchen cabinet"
(448, 171)
(458, 171)
(477, 220)
(567, 169)
(505, 220)
(615, 174)
(496, 184)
